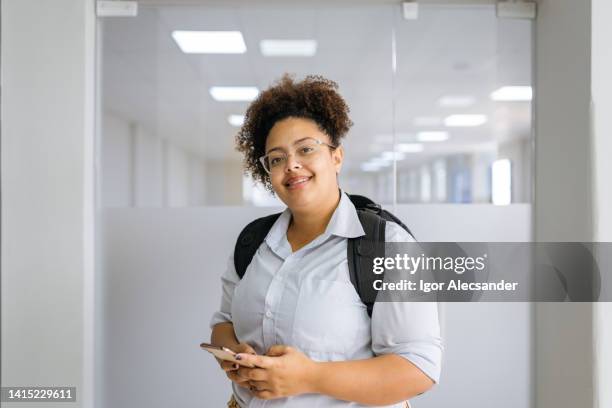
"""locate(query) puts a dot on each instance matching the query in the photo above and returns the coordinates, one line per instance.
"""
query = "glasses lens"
(303, 152)
(275, 160)
(306, 148)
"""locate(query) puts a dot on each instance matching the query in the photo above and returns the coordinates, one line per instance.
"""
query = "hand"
(282, 372)
(231, 368)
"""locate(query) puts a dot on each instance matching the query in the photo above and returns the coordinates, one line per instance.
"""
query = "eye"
(275, 161)
(307, 149)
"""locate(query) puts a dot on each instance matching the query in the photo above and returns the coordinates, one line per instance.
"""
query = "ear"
(338, 158)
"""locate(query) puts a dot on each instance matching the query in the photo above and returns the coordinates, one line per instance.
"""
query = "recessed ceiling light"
(456, 101)
(432, 136)
(513, 94)
(465, 120)
(234, 93)
(288, 48)
(370, 167)
(392, 155)
(380, 161)
(410, 147)
(210, 42)
(427, 121)
(236, 120)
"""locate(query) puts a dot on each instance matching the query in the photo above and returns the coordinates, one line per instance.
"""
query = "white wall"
(116, 163)
(147, 168)
(140, 169)
(162, 269)
(48, 195)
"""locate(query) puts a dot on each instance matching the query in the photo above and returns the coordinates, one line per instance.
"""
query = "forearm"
(223, 335)
(381, 380)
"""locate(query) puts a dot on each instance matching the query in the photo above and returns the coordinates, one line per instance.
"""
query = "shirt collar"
(343, 223)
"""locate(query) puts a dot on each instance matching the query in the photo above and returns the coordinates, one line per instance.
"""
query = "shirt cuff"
(430, 370)
(220, 317)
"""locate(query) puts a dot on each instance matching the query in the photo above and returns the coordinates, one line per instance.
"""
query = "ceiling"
(449, 50)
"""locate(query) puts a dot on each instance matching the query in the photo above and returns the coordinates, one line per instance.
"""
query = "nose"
(292, 163)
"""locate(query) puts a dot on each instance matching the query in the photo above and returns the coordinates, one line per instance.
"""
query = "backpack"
(360, 250)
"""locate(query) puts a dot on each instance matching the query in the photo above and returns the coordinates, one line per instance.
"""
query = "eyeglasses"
(305, 151)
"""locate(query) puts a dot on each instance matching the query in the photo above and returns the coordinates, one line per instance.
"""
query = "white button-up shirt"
(305, 299)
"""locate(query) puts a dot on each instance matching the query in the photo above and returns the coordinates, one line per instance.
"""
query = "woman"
(295, 314)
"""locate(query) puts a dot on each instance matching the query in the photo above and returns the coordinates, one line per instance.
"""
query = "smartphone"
(223, 353)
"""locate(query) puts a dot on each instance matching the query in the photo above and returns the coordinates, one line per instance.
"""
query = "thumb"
(278, 350)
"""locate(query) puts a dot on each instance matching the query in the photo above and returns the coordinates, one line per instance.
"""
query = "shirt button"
(268, 314)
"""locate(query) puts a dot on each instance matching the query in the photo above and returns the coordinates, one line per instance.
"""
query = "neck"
(313, 223)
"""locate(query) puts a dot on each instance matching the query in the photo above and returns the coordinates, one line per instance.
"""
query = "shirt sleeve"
(408, 329)
(229, 280)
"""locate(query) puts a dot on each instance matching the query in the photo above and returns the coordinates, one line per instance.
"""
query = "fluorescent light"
(432, 136)
(392, 155)
(381, 162)
(465, 120)
(456, 101)
(409, 148)
(210, 42)
(427, 121)
(501, 182)
(513, 94)
(236, 120)
(234, 93)
(370, 167)
(288, 48)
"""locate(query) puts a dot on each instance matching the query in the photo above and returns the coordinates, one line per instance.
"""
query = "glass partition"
(441, 104)
(463, 106)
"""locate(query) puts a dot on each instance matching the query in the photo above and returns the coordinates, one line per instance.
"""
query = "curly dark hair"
(314, 98)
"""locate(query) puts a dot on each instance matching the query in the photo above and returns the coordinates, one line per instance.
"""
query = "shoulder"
(395, 233)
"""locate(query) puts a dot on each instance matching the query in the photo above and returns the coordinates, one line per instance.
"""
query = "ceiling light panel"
(236, 120)
(234, 93)
(210, 42)
(465, 120)
(288, 48)
(432, 136)
(513, 94)
(409, 147)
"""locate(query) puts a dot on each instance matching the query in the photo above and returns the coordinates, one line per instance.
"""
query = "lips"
(295, 182)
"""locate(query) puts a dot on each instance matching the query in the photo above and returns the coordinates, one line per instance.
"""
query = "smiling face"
(304, 184)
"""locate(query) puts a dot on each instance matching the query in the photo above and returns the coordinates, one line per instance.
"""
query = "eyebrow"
(294, 143)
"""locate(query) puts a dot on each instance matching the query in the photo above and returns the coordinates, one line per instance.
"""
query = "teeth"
(298, 181)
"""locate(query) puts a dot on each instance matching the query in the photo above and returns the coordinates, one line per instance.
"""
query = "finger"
(257, 361)
(260, 386)
(232, 375)
(278, 350)
(255, 374)
(229, 366)
(245, 348)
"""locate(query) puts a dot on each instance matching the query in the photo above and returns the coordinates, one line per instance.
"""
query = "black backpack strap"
(249, 241)
(361, 252)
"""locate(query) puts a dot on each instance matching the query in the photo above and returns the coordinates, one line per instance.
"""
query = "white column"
(601, 89)
(48, 194)
(563, 195)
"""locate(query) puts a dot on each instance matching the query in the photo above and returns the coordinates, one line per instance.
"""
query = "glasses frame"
(262, 159)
